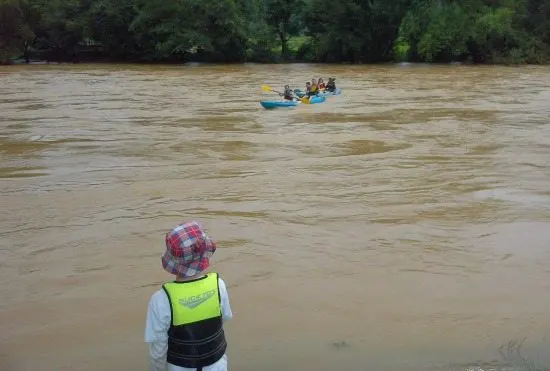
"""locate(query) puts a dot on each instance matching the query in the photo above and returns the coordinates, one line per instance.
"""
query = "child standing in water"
(184, 326)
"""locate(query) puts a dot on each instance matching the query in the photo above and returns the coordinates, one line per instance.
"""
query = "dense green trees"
(364, 31)
(480, 31)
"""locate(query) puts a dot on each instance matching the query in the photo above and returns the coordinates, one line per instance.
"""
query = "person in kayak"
(308, 88)
(331, 85)
(314, 87)
(322, 85)
(184, 325)
(311, 88)
(288, 94)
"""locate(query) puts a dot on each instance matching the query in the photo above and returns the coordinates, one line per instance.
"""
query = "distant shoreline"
(168, 63)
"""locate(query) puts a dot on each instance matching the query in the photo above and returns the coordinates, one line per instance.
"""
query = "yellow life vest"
(194, 301)
(196, 337)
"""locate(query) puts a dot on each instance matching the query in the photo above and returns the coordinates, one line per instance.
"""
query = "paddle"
(267, 88)
(304, 98)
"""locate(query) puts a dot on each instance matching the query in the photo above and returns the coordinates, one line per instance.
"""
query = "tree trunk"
(284, 46)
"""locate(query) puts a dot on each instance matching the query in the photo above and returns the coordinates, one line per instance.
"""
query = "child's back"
(184, 326)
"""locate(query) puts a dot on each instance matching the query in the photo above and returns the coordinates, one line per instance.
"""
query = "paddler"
(184, 326)
(331, 85)
(311, 89)
(321, 84)
(308, 88)
(288, 94)
(314, 88)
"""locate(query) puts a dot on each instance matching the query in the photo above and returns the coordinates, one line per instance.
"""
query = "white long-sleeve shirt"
(156, 331)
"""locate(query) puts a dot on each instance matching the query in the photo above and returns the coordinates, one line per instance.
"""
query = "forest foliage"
(234, 31)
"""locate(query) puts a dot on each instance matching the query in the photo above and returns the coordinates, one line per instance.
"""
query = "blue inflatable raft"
(316, 99)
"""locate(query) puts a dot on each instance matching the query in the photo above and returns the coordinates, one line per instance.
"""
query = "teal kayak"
(270, 104)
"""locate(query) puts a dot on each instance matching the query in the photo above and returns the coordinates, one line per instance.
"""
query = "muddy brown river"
(403, 225)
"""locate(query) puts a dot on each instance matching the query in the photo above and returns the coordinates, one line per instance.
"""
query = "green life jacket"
(196, 338)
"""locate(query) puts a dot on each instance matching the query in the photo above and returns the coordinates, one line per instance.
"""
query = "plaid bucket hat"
(188, 250)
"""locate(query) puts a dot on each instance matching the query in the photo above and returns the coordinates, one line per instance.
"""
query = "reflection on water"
(401, 225)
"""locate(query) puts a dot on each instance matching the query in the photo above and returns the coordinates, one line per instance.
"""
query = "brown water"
(408, 217)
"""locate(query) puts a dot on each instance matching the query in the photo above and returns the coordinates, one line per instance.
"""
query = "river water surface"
(403, 225)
